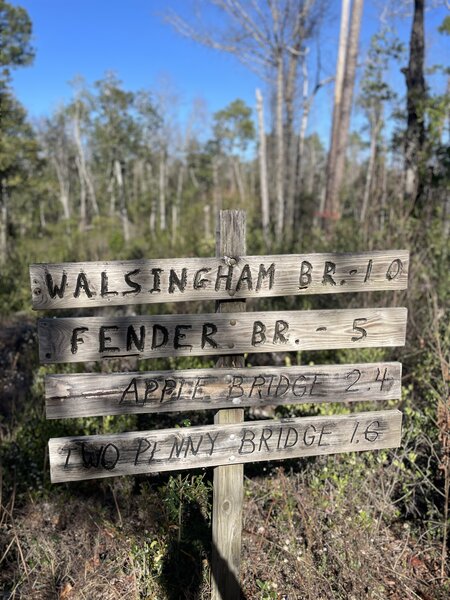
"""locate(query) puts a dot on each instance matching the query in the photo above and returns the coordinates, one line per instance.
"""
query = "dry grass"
(302, 540)
(316, 543)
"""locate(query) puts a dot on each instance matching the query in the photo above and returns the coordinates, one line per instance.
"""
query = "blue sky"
(89, 37)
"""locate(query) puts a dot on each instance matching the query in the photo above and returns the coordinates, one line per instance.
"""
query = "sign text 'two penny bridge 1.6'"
(228, 333)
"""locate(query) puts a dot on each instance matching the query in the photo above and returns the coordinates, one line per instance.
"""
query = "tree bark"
(374, 131)
(333, 205)
(290, 145)
(162, 192)
(64, 186)
(176, 206)
(207, 221)
(297, 53)
(299, 167)
(217, 195)
(153, 198)
(279, 161)
(81, 164)
(42, 219)
(123, 203)
(384, 188)
(338, 87)
(112, 194)
(83, 211)
(193, 177)
(239, 180)
(306, 107)
(415, 99)
(265, 209)
(3, 224)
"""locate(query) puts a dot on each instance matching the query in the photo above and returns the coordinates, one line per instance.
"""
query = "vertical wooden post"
(228, 490)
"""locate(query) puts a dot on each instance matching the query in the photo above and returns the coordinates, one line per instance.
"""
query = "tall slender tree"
(343, 112)
(340, 70)
(262, 156)
(415, 106)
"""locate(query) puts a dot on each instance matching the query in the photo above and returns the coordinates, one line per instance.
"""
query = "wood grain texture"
(97, 456)
(231, 276)
(228, 480)
(92, 394)
(95, 338)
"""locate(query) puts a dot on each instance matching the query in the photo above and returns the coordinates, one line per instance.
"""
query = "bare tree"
(265, 36)
(345, 80)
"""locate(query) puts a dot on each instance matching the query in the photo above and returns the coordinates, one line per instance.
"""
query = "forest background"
(353, 156)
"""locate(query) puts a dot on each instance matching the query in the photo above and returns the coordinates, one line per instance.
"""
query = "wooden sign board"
(89, 284)
(95, 338)
(87, 395)
(73, 459)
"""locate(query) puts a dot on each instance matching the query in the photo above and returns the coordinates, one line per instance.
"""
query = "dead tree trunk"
(335, 127)
(62, 175)
(112, 192)
(81, 165)
(162, 192)
(217, 195)
(333, 205)
(153, 199)
(290, 145)
(265, 210)
(122, 198)
(279, 161)
(42, 219)
(238, 178)
(83, 211)
(176, 206)
(207, 221)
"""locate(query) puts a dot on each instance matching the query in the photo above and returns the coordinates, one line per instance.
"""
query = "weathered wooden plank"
(95, 338)
(76, 285)
(228, 480)
(93, 394)
(90, 457)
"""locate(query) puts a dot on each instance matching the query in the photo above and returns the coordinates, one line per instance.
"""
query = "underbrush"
(367, 525)
(329, 528)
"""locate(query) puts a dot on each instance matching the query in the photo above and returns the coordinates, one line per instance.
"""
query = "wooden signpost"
(228, 333)
(94, 456)
(232, 275)
(93, 394)
(95, 338)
